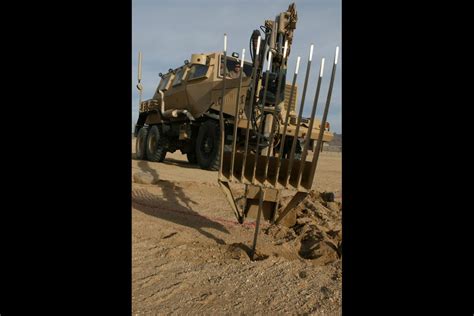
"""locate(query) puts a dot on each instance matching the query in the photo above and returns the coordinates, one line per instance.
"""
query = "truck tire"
(140, 144)
(287, 148)
(208, 146)
(298, 150)
(155, 150)
(191, 157)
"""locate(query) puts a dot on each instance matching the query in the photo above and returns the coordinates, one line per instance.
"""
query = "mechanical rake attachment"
(266, 172)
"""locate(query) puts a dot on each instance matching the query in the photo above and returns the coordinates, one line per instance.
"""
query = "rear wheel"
(208, 146)
(298, 150)
(140, 144)
(155, 149)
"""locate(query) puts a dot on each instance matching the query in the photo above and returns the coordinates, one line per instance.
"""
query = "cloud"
(168, 32)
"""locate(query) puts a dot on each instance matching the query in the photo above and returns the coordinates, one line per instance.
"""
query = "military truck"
(184, 112)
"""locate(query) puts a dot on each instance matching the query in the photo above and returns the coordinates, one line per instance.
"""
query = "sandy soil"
(190, 256)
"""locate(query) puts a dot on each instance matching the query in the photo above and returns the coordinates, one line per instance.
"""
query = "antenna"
(139, 85)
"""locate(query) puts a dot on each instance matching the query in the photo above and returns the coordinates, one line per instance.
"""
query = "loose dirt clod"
(145, 178)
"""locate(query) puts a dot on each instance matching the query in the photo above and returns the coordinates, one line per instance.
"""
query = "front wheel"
(191, 154)
(155, 149)
(208, 146)
(140, 144)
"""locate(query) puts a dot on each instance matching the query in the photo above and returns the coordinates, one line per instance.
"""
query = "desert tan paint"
(205, 92)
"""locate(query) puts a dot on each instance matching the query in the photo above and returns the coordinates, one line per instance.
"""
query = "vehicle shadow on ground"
(180, 163)
(170, 206)
(171, 161)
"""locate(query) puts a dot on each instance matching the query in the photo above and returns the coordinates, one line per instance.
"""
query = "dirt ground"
(190, 255)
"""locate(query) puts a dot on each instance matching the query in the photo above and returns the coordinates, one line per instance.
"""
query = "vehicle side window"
(164, 82)
(197, 71)
(231, 66)
(179, 77)
(247, 69)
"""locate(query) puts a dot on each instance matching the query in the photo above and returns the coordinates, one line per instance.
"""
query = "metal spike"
(257, 224)
(221, 113)
(277, 99)
(236, 117)
(262, 121)
(323, 123)
(300, 114)
(311, 123)
(287, 119)
(277, 206)
(230, 198)
(297, 199)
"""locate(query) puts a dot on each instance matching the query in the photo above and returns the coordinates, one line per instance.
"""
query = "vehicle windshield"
(197, 71)
(179, 76)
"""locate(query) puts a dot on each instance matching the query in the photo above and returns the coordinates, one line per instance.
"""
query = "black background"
(66, 219)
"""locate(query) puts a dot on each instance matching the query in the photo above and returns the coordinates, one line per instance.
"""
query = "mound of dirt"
(318, 230)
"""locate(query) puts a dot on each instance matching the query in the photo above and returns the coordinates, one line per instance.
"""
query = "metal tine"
(257, 224)
(277, 206)
(245, 203)
(236, 117)
(323, 121)
(221, 113)
(251, 104)
(287, 118)
(262, 120)
(277, 98)
(311, 123)
(298, 122)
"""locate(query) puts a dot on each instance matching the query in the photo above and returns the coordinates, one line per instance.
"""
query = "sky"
(167, 32)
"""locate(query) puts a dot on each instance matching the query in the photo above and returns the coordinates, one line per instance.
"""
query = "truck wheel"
(191, 157)
(155, 151)
(287, 148)
(298, 150)
(208, 146)
(140, 144)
